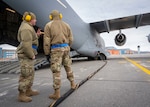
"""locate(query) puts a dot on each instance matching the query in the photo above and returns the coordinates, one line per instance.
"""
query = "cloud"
(99, 10)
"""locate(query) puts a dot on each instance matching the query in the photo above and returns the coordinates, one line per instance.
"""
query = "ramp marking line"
(147, 71)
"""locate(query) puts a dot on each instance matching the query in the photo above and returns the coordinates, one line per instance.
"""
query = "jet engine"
(120, 39)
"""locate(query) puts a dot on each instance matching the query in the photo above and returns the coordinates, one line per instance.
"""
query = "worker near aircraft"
(57, 41)
(26, 51)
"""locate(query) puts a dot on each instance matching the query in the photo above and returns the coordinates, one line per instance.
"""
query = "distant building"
(115, 51)
(7, 52)
(1, 54)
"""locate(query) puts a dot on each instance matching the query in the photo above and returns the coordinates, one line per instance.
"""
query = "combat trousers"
(26, 75)
(60, 57)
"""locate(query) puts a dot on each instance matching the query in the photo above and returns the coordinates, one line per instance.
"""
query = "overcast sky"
(99, 10)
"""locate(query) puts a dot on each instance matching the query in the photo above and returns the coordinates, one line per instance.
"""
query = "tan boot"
(73, 85)
(56, 95)
(31, 92)
(23, 98)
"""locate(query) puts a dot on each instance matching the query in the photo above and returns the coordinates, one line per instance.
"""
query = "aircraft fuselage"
(87, 41)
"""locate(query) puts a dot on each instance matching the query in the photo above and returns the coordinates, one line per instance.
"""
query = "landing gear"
(90, 58)
(101, 56)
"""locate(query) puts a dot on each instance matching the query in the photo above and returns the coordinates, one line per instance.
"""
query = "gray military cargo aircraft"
(87, 39)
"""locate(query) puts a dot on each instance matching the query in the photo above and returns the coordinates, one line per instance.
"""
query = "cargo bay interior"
(10, 21)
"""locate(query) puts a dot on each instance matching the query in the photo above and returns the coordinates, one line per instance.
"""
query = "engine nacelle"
(120, 39)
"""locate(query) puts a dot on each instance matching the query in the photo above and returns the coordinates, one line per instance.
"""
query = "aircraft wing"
(121, 23)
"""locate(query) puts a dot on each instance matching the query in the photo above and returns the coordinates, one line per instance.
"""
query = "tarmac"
(123, 82)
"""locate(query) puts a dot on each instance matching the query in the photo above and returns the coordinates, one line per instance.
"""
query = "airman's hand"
(38, 32)
(33, 57)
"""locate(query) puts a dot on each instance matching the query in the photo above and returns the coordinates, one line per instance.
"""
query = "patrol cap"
(28, 16)
(55, 13)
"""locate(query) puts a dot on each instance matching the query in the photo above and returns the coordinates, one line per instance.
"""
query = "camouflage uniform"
(61, 57)
(27, 38)
(57, 32)
(27, 74)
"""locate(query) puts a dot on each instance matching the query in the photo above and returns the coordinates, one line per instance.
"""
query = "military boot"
(56, 95)
(23, 98)
(73, 85)
(31, 92)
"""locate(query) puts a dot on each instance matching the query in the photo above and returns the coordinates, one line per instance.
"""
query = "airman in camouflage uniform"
(26, 54)
(57, 41)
